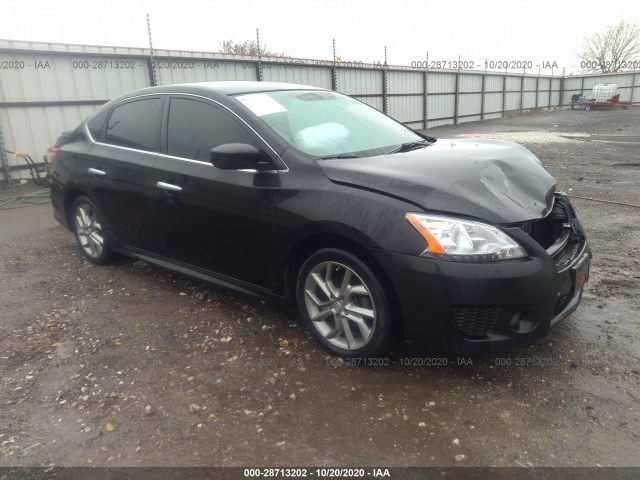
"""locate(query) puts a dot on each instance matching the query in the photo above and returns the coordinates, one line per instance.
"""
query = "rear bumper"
(57, 201)
(465, 308)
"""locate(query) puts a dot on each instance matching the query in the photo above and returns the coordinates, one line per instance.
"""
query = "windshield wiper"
(341, 155)
(406, 147)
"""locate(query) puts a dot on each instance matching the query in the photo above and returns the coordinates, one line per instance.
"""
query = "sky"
(537, 32)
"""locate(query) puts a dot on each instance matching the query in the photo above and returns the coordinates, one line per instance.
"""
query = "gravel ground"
(130, 365)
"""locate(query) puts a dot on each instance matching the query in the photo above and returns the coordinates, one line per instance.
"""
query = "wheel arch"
(69, 198)
(316, 241)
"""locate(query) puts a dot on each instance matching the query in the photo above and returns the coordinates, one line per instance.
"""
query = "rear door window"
(135, 124)
(195, 127)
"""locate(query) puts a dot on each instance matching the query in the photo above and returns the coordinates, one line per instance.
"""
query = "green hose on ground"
(39, 197)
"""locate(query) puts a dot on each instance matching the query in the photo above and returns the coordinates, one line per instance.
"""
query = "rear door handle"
(95, 171)
(169, 187)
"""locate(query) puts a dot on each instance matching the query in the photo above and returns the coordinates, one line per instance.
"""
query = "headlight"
(457, 239)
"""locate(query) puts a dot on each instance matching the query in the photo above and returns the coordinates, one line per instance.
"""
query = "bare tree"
(248, 47)
(618, 48)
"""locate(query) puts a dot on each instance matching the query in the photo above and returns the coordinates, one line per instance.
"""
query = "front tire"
(89, 231)
(344, 304)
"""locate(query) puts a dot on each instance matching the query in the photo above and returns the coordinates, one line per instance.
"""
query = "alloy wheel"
(340, 305)
(89, 231)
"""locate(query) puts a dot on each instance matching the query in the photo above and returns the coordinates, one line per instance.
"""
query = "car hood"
(499, 182)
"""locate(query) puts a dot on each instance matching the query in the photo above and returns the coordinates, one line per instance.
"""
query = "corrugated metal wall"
(405, 92)
(470, 98)
(48, 88)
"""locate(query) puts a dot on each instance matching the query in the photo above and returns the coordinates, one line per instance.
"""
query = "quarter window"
(96, 125)
(135, 124)
(195, 127)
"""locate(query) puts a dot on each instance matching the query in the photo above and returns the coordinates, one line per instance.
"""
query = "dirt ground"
(129, 365)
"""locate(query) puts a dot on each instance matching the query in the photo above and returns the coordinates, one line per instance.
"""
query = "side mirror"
(239, 156)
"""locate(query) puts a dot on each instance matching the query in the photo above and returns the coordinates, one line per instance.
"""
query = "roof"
(237, 87)
(214, 90)
(217, 89)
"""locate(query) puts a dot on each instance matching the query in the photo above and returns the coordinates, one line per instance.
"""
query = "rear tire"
(89, 231)
(344, 304)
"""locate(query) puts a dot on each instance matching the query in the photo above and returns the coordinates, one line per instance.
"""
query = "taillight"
(51, 155)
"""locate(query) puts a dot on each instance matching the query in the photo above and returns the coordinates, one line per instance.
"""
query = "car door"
(213, 219)
(120, 170)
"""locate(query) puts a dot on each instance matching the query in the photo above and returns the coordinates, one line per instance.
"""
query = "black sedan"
(294, 192)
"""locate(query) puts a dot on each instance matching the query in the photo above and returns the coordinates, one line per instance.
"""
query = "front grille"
(557, 234)
(547, 230)
(475, 322)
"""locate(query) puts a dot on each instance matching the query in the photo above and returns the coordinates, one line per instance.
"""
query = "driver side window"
(195, 127)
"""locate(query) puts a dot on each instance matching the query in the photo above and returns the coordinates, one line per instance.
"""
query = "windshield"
(327, 124)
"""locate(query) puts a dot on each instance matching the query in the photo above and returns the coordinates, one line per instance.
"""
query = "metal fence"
(48, 88)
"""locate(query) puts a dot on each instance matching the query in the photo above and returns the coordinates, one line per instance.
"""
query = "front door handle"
(95, 171)
(169, 187)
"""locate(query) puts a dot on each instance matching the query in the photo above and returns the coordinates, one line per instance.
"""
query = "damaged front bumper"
(468, 308)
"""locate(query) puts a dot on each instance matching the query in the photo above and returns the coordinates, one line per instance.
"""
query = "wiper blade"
(406, 147)
(342, 155)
